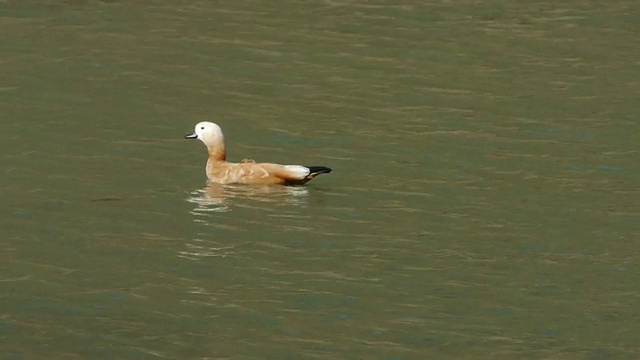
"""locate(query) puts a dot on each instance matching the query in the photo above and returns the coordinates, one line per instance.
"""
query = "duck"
(247, 171)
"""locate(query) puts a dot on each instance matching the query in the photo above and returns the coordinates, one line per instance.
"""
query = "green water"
(483, 204)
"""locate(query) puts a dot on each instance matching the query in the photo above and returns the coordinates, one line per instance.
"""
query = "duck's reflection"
(221, 198)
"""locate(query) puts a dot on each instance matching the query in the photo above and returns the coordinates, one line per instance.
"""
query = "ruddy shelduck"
(220, 171)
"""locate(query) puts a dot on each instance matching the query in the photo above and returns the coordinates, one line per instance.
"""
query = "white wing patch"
(297, 171)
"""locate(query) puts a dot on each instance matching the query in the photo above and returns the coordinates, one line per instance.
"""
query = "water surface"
(483, 202)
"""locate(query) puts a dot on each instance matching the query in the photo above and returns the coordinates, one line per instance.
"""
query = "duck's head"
(207, 132)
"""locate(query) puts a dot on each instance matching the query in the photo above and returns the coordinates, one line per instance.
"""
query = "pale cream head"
(211, 135)
(207, 132)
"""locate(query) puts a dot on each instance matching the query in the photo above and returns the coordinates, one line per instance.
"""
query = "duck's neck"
(217, 153)
(214, 141)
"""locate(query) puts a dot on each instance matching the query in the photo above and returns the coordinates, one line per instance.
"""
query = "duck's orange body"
(220, 171)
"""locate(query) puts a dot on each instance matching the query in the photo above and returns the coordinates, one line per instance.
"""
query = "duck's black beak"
(191, 136)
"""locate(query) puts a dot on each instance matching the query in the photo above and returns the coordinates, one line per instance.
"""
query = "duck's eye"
(202, 128)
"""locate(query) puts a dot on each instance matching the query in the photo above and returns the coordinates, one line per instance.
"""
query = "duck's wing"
(233, 173)
(295, 174)
(273, 173)
(249, 172)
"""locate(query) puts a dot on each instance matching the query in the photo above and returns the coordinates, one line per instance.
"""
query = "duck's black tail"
(317, 170)
(313, 172)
